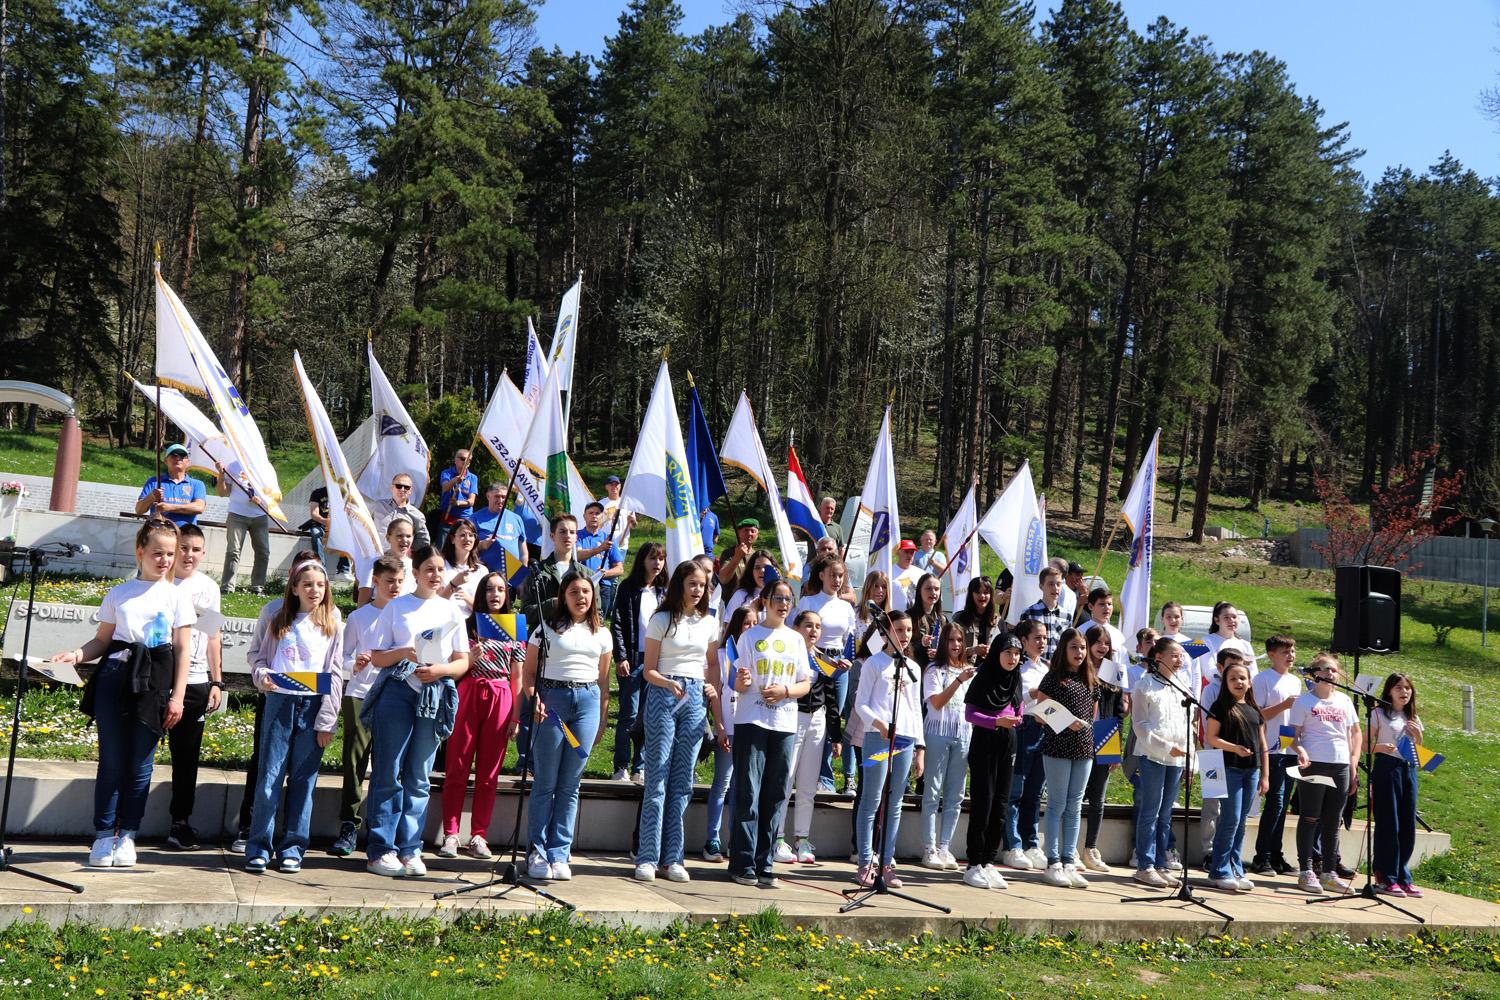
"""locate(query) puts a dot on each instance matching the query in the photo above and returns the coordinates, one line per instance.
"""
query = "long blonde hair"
(325, 616)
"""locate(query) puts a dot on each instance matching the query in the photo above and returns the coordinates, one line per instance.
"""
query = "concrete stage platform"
(169, 890)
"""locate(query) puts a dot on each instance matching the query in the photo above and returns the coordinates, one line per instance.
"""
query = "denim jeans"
(236, 527)
(841, 691)
(718, 793)
(1394, 793)
(1269, 835)
(947, 762)
(127, 751)
(762, 761)
(1229, 835)
(674, 733)
(869, 800)
(1155, 794)
(1066, 782)
(552, 809)
(290, 751)
(402, 749)
(1025, 787)
(628, 749)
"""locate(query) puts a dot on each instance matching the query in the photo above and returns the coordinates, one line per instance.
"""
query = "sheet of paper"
(1211, 769)
(1054, 715)
(1113, 672)
(62, 673)
(1295, 773)
(209, 622)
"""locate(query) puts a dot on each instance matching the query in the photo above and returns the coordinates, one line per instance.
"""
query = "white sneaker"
(997, 881)
(1037, 858)
(1016, 858)
(805, 853)
(480, 848)
(1308, 882)
(1075, 877)
(1054, 875)
(125, 849)
(677, 873)
(620, 775)
(639, 777)
(1245, 884)
(1093, 861)
(932, 859)
(1151, 877)
(102, 854)
(977, 877)
(645, 873)
(1226, 884)
(949, 861)
(1174, 861)
(413, 867)
(561, 872)
(782, 854)
(1170, 877)
(386, 864)
(1132, 862)
(538, 868)
(449, 848)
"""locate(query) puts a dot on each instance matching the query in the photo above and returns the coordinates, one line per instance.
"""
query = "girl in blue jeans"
(945, 685)
(888, 679)
(1160, 727)
(567, 680)
(1394, 788)
(305, 636)
(678, 639)
(1068, 756)
(1235, 726)
(635, 603)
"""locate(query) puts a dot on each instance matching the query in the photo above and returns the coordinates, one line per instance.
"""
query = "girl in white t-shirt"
(771, 673)
(733, 633)
(305, 641)
(1327, 743)
(1226, 620)
(461, 565)
(875, 590)
(147, 611)
(945, 686)
(887, 677)
(420, 649)
(567, 683)
(751, 581)
(679, 637)
(817, 716)
(399, 536)
(1393, 788)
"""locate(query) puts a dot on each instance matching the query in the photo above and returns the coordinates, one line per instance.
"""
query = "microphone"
(75, 548)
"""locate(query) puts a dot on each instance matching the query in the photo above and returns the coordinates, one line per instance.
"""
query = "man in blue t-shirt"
(460, 488)
(500, 530)
(709, 528)
(175, 495)
(600, 555)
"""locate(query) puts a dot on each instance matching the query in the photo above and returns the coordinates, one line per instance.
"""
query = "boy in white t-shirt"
(205, 684)
(1275, 689)
(389, 582)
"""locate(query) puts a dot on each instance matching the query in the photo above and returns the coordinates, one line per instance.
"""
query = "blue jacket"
(438, 700)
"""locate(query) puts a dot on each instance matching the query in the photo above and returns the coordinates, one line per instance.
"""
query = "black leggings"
(186, 743)
(1321, 813)
(992, 758)
(1093, 795)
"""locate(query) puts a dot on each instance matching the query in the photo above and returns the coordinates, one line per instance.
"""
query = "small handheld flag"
(510, 627)
(1107, 742)
(303, 681)
(1113, 672)
(1416, 753)
(823, 665)
(903, 744)
(1288, 737)
(1196, 649)
(568, 736)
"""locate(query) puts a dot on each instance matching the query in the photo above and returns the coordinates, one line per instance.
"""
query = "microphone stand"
(1367, 893)
(861, 897)
(1184, 893)
(511, 877)
(36, 560)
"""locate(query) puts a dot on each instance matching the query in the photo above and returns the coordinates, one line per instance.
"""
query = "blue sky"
(1406, 75)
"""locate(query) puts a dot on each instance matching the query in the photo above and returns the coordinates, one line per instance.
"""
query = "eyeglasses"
(401, 486)
(781, 598)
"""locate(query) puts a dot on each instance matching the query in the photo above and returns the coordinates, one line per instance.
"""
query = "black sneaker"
(181, 837)
(1343, 873)
(1262, 866)
(1282, 867)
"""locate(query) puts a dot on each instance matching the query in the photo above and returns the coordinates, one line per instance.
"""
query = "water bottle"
(159, 632)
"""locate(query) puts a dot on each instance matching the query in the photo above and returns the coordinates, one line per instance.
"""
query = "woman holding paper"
(875, 590)
(1160, 727)
(567, 680)
(1328, 740)
(992, 706)
(1067, 755)
(1114, 703)
(306, 637)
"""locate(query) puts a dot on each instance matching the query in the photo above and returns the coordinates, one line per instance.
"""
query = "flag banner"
(568, 736)
(351, 529)
(743, 450)
(536, 366)
(731, 654)
(903, 744)
(184, 360)
(801, 511)
(1416, 753)
(878, 502)
(1295, 773)
(1211, 770)
(1107, 748)
(544, 457)
(1288, 736)
(1140, 514)
(398, 444)
(1116, 673)
(703, 462)
(518, 579)
(1014, 528)
(302, 681)
(960, 542)
(565, 338)
(1054, 715)
(511, 627)
(657, 484)
(431, 645)
(822, 664)
(207, 445)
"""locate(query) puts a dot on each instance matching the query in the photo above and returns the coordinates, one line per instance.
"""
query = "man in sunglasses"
(400, 503)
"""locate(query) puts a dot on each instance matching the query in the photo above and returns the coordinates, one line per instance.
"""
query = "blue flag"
(702, 457)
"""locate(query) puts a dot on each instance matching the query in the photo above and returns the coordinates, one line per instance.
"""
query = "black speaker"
(1367, 610)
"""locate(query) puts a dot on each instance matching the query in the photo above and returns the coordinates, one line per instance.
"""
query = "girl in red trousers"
(487, 698)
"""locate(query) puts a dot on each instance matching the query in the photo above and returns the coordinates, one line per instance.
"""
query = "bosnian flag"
(799, 506)
(878, 501)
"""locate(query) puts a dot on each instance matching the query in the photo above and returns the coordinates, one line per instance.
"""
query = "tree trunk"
(1116, 369)
(200, 136)
(976, 344)
(1207, 453)
(247, 202)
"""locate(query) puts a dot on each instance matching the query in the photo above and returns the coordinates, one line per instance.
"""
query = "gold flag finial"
(158, 251)
(691, 383)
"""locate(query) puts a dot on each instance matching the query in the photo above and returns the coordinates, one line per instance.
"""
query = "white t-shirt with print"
(131, 606)
(684, 647)
(1324, 724)
(403, 620)
(303, 647)
(573, 654)
(773, 656)
(203, 592)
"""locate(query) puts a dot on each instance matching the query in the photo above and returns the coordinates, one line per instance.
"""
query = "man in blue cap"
(175, 495)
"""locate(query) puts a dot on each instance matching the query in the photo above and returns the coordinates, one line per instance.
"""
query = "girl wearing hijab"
(992, 706)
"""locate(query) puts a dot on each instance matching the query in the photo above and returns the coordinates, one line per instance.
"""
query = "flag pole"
(157, 272)
(475, 444)
(952, 559)
(1079, 611)
(568, 410)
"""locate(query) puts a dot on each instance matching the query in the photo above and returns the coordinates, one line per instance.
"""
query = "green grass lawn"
(761, 957)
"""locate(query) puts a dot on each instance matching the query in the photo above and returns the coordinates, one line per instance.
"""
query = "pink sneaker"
(892, 880)
(865, 877)
(1390, 888)
(1411, 890)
